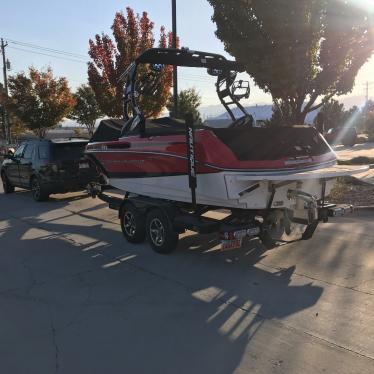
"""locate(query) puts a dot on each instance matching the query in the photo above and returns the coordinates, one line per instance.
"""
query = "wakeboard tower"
(266, 178)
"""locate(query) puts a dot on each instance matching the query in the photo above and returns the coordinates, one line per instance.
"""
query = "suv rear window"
(68, 151)
(43, 151)
(28, 153)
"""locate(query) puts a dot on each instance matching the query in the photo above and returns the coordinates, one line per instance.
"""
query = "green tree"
(189, 101)
(39, 100)
(334, 114)
(86, 109)
(300, 51)
(279, 116)
(132, 36)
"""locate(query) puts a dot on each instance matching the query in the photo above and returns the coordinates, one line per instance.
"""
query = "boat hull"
(237, 190)
(235, 168)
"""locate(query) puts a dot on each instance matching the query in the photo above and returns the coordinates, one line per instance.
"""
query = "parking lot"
(76, 298)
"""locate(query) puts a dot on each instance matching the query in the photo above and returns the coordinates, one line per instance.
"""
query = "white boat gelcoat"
(227, 189)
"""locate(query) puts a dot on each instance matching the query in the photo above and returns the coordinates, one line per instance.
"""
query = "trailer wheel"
(160, 232)
(132, 223)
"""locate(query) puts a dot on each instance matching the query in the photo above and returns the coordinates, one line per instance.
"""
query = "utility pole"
(175, 68)
(6, 119)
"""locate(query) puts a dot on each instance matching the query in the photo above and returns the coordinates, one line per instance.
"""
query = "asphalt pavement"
(75, 297)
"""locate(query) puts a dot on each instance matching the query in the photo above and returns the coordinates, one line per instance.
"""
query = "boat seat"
(272, 143)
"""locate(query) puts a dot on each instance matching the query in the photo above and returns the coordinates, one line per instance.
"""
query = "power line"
(185, 77)
(46, 49)
(188, 76)
(49, 55)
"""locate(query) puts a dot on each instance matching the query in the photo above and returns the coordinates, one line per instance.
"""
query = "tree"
(302, 52)
(279, 115)
(17, 127)
(132, 36)
(86, 110)
(39, 100)
(334, 114)
(188, 102)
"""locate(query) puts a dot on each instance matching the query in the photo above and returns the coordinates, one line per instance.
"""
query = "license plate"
(84, 165)
(227, 245)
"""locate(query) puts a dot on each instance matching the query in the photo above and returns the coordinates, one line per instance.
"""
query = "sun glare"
(367, 5)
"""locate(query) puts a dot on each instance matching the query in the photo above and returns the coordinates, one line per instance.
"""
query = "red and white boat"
(235, 167)
(173, 172)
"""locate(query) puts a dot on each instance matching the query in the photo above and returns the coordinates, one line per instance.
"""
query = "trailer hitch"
(94, 189)
(332, 210)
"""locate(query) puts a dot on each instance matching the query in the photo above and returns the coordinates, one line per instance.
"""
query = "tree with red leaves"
(40, 101)
(132, 36)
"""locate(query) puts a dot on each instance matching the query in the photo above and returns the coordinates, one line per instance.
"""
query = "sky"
(68, 25)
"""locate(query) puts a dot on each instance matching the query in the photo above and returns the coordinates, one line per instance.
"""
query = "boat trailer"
(161, 221)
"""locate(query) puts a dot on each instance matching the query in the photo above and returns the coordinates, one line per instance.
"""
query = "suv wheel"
(8, 188)
(38, 191)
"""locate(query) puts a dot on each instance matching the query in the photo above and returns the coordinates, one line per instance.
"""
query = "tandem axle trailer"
(161, 221)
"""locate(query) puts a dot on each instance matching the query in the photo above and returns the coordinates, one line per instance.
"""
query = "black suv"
(48, 166)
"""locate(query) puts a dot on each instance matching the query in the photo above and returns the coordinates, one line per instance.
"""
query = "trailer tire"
(160, 232)
(132, 223)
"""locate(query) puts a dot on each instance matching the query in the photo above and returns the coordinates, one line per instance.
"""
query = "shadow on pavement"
(115, 305)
